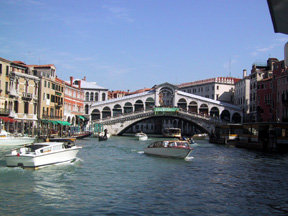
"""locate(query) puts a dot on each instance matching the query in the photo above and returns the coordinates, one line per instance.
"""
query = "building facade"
(21, 95)
(92, 93)
(219, 88)
(258, 72)
(73, 103)
(242, 94)
(51, 93)
(280, 91)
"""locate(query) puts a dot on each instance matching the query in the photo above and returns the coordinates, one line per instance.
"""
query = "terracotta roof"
(2, 59)
(19, 62)
(139, 91)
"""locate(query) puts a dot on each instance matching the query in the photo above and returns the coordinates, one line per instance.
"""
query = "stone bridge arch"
(200, 125)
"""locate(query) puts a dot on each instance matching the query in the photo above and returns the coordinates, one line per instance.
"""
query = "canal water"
(115, 177)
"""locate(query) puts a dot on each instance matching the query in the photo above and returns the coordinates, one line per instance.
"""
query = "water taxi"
(171, 148)
(7, 139)
(172, 132)
(39, 155)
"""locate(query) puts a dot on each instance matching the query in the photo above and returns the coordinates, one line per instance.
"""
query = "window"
(87, 96)
(26, 107)
(91, 96)
(35, 108)
(0, 68)
(16, 106)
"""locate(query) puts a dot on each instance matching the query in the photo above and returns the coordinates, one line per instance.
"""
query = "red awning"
(7, 119)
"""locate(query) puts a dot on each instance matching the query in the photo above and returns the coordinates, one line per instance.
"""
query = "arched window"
(103, 97)
(91, 96)
(87, 96)
(86, 109)
(96, 96)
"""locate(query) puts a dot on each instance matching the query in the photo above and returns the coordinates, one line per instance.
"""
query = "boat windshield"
(169, 144)
(35, 147)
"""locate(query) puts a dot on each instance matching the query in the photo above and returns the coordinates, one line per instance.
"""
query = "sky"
(134, 44)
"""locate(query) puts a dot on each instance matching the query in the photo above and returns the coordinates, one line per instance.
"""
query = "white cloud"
(119, 13)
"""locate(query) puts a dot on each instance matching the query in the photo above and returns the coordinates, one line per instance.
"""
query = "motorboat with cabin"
(172, 132)
(43, 154)
(7, 139)
(169, 148)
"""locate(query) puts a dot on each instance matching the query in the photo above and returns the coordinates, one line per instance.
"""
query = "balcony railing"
(4, 111)
(26, 96)
(58, 105)
(51, 117)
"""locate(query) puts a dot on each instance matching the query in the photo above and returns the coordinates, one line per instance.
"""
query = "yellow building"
(4, 81)
(51, 94)
(21, 96)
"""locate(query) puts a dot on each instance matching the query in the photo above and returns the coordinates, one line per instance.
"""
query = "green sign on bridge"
(165, 110)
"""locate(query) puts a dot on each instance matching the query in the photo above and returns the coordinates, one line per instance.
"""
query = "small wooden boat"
(103, 137)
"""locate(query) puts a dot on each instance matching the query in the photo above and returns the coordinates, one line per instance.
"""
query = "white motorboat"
(42, 154)
(6, 139)
(141, 136)
(171, 148)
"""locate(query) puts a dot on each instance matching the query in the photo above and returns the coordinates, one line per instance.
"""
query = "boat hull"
(142, 138)
(15, 141)
(38, 161)
(168, 152)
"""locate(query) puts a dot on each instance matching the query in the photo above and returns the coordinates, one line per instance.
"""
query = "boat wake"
(189, 158)
(140, 152)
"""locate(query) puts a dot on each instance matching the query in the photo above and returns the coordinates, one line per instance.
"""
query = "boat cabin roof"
(43, 144)
(169, 143)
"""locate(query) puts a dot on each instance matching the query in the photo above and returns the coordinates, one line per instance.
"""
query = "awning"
(7, 119)
(81, 117)
(64, 123)
(56, 122)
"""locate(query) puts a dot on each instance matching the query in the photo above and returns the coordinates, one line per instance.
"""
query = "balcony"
(26, 96)
(13, 93)
(58, 105)
(51, 117)
(4, 111)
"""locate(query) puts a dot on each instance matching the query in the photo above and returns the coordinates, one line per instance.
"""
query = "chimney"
(84, 78)
(71, 80)
(79, 82)
(244, 73)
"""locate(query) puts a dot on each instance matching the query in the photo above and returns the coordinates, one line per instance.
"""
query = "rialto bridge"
(163, 101)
